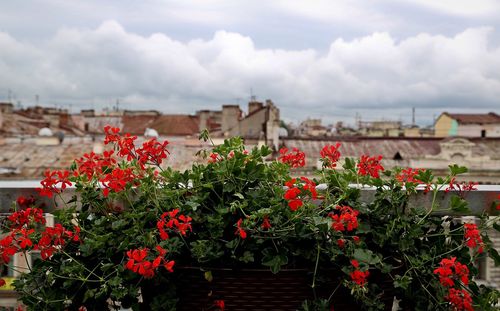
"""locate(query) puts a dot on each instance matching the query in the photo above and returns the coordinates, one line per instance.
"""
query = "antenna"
(37, 99)
(252, 96)
(117, 107)
(413, 116)
(9, 95)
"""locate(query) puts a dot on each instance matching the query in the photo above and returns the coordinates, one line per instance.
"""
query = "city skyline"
(324, 59)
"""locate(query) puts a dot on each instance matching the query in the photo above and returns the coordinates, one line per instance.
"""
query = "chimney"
(254, 106)
(230, 117)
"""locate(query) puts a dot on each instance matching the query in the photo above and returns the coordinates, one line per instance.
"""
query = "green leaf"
(495, 256)
(458, 204)
(194, 205)
(119, 224)
(275, 262)
(349, 164)
(496, 226)
(366, 256)
(247, 257)
(402, 281)
(457, 170)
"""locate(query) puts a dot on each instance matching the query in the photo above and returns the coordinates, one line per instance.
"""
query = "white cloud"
(371, 72)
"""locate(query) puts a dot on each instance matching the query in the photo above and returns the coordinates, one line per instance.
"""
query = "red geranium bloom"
(330, 155)
(370, 166)
(219, 304)
(472, 237)
(239, 230)
(460, 299)
(359, 277)
(347, 220)
(408, 175)
(294, 158)
(266, 224)
(450, 269)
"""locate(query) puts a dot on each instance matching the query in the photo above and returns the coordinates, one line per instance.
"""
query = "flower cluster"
(472, 237)
(298, 190)
(358, 276)
(345, 219)
(54, 182)
(461, 188)
(330, 155)
(295, 158)
(138, 263)
(22, 235)
(460, 299)
(54, 238)
(449, 271)
(239, 229)
(409, 175)
(171, 221)
(370, 166)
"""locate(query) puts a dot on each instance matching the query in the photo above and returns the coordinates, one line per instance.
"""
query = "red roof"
(136, 125)
(484, 118)
(176, 125)
(165, 125)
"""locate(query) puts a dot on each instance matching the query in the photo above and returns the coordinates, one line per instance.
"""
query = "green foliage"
(229, 198)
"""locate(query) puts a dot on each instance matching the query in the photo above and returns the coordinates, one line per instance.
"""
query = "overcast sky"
(324, 59)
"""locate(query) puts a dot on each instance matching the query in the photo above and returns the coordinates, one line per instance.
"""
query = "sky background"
(321, 59)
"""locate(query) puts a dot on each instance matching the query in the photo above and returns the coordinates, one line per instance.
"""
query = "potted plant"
(141, 236)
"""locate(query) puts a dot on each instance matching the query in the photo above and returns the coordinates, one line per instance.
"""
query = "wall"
(445, 126)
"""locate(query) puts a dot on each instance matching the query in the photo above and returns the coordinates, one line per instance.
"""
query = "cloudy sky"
(319, 58)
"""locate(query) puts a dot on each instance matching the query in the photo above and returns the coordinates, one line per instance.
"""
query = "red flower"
(341, 243)
(355, 239)
(354, 263)
(219, 304)
(170, 220)
(408, 175)
(117, 180)
(460, 299)
(152, 152)
(51, 180)
(450, 269)
(297, 190)
(138, 264)
(370, 166)
(239, 230)
(347, 220)
(266, 224)
(2, 282)
(24, 202)
(295, 204)
(125, 143)
(214, 157)
(169, 265)
(26, 217)
(359, 277)
(330, 155)
(291, 193)
(7, 249)
(294, 158)
(472, 237)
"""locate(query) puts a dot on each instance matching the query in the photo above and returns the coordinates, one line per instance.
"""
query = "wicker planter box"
(257, 289)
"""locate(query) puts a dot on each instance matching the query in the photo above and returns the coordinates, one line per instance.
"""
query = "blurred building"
(467, 125)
